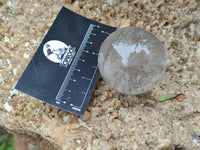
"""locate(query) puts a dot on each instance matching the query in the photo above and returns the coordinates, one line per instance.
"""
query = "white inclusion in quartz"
(124, 50)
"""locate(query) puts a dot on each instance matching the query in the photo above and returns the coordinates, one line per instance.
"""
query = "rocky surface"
(112, 120)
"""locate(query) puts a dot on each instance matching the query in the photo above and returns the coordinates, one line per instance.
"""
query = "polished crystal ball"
(132, 60)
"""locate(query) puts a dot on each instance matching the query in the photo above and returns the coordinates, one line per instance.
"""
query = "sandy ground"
(112, 120)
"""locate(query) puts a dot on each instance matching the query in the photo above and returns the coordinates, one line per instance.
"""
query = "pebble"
(190, 19)
(140, 24)
(121, 111)
(8, 107)
(86, 116)
(125, 23)
(198, 53)
(26, 55)
(148, 27)
(164, 32)
(73, 126)
(194, 140)
(171, 18)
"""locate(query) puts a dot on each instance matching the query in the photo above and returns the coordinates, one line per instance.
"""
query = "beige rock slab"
(112, 120)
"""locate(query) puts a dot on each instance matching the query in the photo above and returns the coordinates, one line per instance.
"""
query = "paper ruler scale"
(78, 81)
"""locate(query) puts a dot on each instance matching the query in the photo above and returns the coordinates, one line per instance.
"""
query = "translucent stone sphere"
(132, 60)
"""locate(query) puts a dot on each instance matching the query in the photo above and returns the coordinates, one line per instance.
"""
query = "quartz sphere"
(132, 60)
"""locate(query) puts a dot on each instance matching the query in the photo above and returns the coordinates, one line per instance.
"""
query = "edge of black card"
(17, 86)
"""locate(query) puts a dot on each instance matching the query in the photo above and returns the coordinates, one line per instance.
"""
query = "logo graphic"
(59, 52)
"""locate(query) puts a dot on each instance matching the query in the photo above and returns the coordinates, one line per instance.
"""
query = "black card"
(63, 72)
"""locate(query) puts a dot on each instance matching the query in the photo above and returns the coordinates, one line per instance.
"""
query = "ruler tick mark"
(77, 109)
(73, 80)
(77, 70)
(90, 42)
(105, 32)
(68, 98)
(68, 91)
(82, 60)
(94, 53)
(85, 51)
(86, 78)
(94, 67)
(57, 102)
